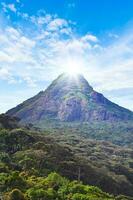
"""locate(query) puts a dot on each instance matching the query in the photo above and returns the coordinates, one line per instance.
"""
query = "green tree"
(16, 194)
(16, 181)
(41, 194)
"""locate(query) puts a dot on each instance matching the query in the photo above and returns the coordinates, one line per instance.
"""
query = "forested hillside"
(31, 161)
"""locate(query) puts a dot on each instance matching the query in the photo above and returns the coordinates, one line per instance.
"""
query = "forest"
(34, 166)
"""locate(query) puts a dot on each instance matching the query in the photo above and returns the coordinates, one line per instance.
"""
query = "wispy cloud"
(8, 7)
(89, 37)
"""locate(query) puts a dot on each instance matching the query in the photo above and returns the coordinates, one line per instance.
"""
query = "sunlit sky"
(39, 39)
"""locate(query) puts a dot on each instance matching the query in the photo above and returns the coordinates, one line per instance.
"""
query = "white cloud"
(5, 57)
(16, 47)
(89, 37)
(56, 24)
(7, 7)
(41, 20)
(29, 81)
(12, 7)
(113, 35)
(3, 73)
(23, 15)
(51, 46)
(115, 62)
(6, 76)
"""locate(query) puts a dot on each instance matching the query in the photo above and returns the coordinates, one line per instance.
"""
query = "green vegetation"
(34, 166)
(52, 187)
(119, 133)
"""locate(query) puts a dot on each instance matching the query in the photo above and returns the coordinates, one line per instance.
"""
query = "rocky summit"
(69, 99)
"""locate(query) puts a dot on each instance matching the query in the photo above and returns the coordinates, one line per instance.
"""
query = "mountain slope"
(69, 99)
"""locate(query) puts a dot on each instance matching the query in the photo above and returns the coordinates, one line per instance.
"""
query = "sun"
(73, 68)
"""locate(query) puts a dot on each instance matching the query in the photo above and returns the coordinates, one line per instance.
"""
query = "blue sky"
(41, 39)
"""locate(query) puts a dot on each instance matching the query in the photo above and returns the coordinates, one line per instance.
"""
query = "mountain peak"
(69, 82)
(70, 76)
(69, 98)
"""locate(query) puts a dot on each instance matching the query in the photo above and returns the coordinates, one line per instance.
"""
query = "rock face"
(69, 99)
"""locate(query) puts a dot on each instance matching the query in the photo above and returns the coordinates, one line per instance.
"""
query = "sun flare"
(73, 68)
(73, 71)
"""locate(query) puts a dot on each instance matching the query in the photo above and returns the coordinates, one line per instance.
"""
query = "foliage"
(16, 194)
(32, 165)
(57, 187)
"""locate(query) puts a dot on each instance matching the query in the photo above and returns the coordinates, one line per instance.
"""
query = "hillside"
(27, 157)
(119, 133)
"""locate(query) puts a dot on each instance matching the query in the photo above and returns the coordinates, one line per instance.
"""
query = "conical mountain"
(69, 98)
